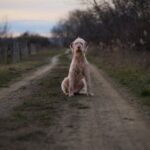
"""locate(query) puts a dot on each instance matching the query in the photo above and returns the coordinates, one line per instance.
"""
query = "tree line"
(123, 21)
(15, 49)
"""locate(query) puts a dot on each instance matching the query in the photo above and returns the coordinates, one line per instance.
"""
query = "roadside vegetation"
(11, 72)
(126, 69)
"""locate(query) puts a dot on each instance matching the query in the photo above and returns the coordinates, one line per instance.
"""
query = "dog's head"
(79, 46)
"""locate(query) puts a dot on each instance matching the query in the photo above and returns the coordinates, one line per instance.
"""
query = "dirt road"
(103, 122)
(111, 123)
(106, 121)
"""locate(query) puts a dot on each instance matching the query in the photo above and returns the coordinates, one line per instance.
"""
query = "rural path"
(106, 121)
(111, 122)
(7, 102)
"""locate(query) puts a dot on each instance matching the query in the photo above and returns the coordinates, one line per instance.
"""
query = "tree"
(4, 29)
(123, 20)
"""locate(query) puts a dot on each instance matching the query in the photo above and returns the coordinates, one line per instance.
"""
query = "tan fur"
(78, 80)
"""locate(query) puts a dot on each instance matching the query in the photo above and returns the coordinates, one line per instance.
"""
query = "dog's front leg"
(71, 85)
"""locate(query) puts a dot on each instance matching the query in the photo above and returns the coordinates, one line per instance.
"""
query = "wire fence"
(13, 50)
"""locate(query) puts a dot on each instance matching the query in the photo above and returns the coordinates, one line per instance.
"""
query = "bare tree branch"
(4, 28)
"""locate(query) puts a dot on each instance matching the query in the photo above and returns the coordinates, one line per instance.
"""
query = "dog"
(78, 80)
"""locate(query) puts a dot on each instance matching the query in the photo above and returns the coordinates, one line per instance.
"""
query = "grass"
(135, 80)
(79, 105)
(32, 135)
(9, 72)
(130, 75)
(145, 92)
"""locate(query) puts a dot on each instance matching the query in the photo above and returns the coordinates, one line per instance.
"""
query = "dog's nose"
(78, 47)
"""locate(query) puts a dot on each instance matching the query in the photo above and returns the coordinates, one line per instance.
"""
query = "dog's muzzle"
(78, 49)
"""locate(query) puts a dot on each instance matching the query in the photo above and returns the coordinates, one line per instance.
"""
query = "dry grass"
(9, 72)
(128, 67)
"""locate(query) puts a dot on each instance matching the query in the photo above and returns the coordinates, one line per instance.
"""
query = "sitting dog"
(78, 80)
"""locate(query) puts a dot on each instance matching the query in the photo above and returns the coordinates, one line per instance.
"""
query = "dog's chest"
(79, 70)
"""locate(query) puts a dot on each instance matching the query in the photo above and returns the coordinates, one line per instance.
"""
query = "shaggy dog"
(78, 80)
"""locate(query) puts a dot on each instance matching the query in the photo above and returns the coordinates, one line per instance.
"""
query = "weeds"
(128, 69)
(9, 72)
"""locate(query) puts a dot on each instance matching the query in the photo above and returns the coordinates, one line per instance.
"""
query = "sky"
(36, 16)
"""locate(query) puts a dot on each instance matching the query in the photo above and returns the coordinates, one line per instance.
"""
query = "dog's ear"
(71, 47)
(86, 46)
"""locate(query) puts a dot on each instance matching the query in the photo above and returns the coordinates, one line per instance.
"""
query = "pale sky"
(37, 16)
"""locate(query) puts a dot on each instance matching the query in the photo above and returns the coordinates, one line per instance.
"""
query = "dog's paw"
(90, 94)
(71, 94)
